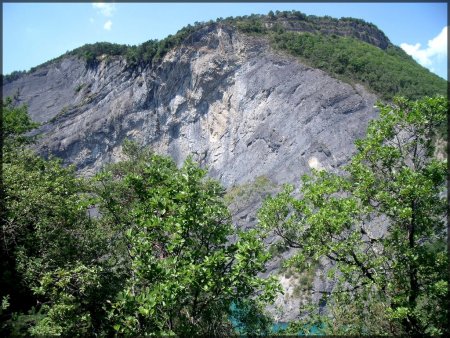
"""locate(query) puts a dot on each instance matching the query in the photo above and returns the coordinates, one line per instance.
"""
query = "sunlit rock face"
(241, 109)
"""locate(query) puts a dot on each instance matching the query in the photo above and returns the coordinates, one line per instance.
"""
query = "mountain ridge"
(291, 27)
(289, 20)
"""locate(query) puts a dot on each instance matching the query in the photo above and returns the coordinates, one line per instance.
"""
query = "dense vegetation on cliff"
(388, 73)
(350, 49)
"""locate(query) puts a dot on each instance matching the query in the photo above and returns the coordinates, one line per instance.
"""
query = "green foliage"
(5, 303)
(45, 227)
(251, 26)
(153, 51)
(185, 275)
(46, 232)
(40, 193)
(149, 52)
(15, 123)
(13, 76)
(242, 193)
(388, 73)
(249, 318)
(278, 248)
(381, 225)
(67, 289)
(299, 22)
(91, 52)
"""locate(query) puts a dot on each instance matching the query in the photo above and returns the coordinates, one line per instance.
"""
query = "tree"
(15, 123)
(46, 237)
(185, 277)
(381, 225)
(155, 259)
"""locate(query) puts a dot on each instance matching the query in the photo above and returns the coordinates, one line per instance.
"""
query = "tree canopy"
(143, 248)
(185, 273)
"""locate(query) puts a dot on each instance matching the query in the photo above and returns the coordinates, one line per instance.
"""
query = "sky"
(37, 32)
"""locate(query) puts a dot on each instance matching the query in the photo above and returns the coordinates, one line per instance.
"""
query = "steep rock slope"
(240, 108)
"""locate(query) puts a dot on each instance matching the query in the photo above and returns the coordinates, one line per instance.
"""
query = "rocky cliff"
(240, 108)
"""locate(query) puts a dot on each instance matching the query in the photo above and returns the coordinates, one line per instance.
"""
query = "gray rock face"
(240, 108)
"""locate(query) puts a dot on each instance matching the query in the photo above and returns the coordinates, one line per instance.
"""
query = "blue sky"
(37, 32)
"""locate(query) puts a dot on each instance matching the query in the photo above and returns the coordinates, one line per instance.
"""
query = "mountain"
(258, 100)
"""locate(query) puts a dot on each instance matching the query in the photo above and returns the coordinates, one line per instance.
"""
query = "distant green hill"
(349, 49)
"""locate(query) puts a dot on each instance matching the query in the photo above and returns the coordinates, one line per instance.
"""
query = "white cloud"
(105, 9)
(436, 49)
(108, 25)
